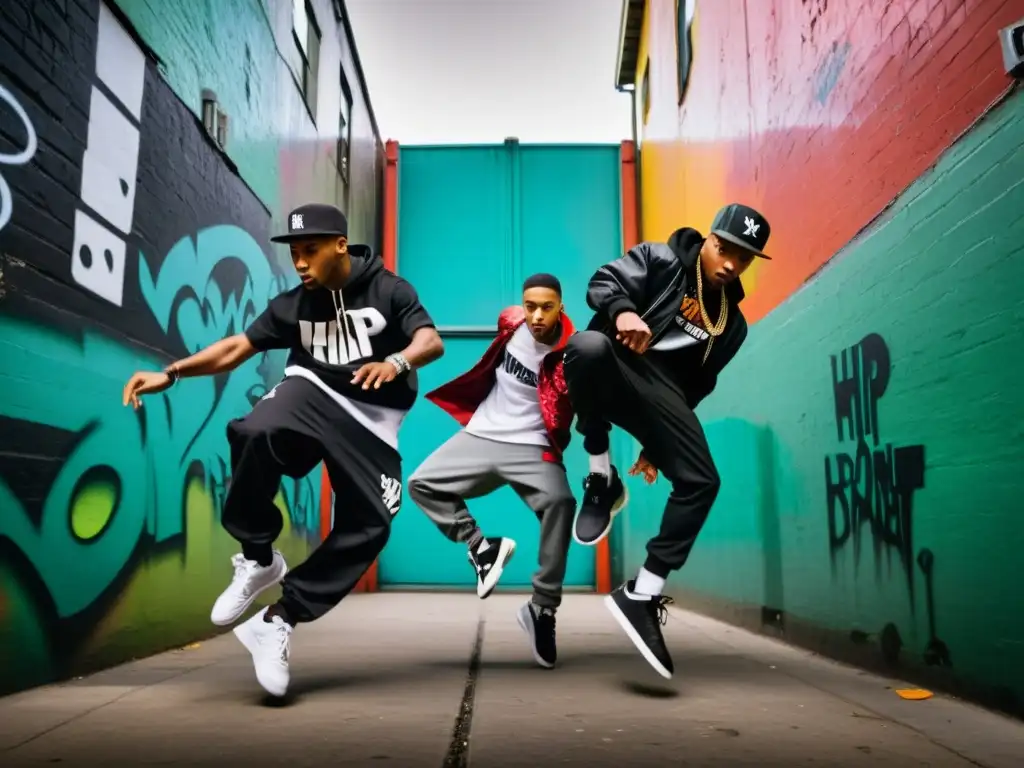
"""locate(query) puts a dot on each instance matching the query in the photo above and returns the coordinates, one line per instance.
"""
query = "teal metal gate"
(473, 223)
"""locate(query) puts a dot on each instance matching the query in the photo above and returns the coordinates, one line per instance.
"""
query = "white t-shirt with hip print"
(511, 411)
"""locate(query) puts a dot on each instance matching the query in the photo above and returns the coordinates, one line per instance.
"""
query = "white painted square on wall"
(103, 279)
(110, 163)
(120, 63)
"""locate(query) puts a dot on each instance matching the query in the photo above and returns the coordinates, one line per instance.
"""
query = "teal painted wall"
(938, 278)
(474, 222)
(229, 47)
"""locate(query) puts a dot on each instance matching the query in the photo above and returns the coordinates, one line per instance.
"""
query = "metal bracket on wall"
(468, 331)
(1011, 41)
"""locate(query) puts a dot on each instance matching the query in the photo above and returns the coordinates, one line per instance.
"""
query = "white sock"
(648, 584)
(601, 464)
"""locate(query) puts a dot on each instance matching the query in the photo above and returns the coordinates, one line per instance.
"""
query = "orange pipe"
(630, 224)
(630, 236)
(390, 250)
(389, 253)
(326, 505)
(604, 566)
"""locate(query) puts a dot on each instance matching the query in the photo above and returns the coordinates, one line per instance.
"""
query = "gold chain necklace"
(723, 312)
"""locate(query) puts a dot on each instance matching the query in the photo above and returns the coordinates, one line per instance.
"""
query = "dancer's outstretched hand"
(645, 468)
(144, 383)
(375, 374)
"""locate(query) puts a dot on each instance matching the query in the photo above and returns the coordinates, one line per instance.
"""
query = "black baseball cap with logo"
(314, 220)
(743, 226)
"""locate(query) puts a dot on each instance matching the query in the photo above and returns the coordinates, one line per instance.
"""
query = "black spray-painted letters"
(868, 482)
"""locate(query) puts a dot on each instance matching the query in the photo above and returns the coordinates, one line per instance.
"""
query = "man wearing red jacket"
(516, 417)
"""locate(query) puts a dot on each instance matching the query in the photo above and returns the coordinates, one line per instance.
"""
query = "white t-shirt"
(511, 411)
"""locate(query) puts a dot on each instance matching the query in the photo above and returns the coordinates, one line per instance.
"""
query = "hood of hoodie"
(686, 243)
(365, 266)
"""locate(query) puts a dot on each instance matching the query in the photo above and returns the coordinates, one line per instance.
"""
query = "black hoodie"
(331, 334)
(653, 280)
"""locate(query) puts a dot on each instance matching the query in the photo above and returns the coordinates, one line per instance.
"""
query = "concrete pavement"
(388, 679)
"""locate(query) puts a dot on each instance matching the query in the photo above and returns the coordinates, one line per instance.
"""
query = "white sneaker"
(269, 642)
(249, 580)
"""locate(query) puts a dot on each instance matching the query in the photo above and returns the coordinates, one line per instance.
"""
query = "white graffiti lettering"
(109, 164)
(16, 158)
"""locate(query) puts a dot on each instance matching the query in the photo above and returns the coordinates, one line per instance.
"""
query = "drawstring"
(339, 313)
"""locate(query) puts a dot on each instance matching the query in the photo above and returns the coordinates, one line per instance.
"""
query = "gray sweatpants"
(468, 467)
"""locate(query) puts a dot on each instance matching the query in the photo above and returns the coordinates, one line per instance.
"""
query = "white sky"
(478, 71)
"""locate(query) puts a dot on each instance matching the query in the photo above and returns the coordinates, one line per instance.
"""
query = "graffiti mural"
(871, 485)
(144, 249)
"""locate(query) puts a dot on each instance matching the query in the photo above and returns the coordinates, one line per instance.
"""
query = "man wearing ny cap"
(356, 334)
(666, 322)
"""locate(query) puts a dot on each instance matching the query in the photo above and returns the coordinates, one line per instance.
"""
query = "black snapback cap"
(743, 226)
(314, 220)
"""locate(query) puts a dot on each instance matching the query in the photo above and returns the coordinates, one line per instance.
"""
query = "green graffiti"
(94, 503)
(126, 478)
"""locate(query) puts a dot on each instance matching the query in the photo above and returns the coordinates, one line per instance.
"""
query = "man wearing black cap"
(666, 322)
(356, 335)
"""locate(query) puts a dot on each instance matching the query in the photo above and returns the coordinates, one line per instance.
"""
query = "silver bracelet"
(398, 360)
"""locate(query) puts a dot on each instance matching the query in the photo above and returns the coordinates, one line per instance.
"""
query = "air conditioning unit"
(215, 120)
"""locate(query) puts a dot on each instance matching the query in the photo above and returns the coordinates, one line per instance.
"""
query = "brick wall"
(816, 112)
(126, 240)
(245, 52)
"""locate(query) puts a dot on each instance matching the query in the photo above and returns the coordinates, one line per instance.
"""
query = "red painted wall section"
(369, 581)
(389, 254)
(390, 251)
(818, 112)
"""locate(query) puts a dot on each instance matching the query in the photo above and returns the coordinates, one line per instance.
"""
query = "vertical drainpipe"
(636, 161)
(636, 169)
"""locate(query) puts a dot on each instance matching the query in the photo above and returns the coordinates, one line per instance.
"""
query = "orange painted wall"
(817, 113)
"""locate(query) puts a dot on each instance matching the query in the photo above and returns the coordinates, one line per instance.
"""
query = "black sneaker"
(602, 500)
(489, 560)
(641, 616)
(539, 624)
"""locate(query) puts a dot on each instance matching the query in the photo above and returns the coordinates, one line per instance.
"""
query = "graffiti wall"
(870, 478)
(813, 111)
(127, 241)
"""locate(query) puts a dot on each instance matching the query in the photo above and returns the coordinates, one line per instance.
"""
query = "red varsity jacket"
(462, 396)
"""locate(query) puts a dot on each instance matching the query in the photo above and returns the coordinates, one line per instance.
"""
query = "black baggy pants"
(287, 434)
(609, 384)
